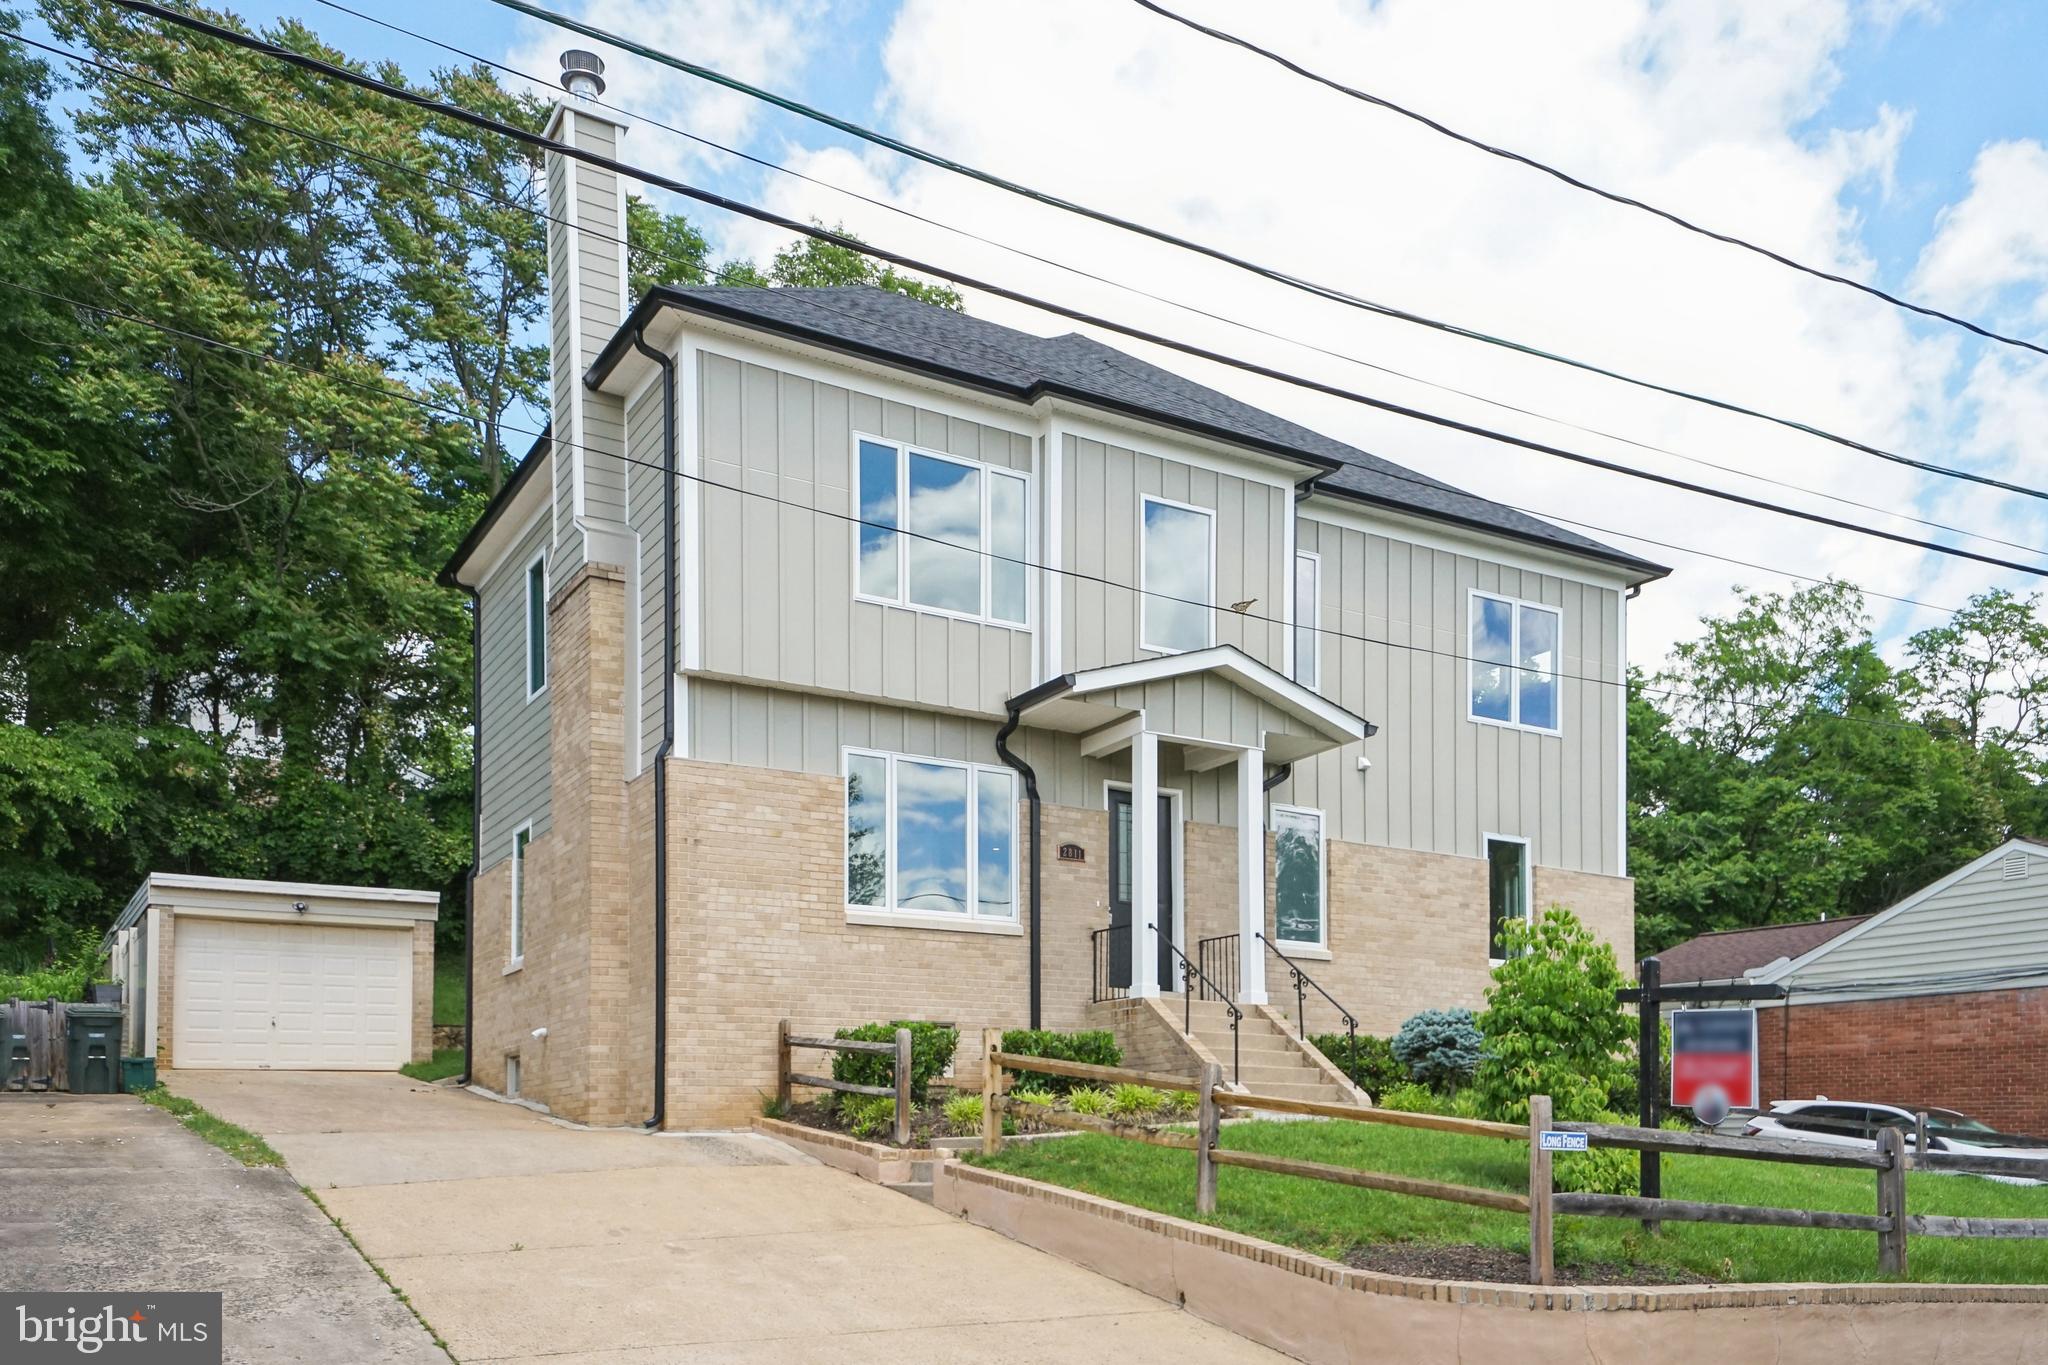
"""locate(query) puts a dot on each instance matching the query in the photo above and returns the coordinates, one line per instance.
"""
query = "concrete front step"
(1321, 1091)
(1249, 1042)
(920, 1190)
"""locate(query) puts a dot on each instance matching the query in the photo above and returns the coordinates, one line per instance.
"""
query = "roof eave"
(1639, 571)
(536, 456)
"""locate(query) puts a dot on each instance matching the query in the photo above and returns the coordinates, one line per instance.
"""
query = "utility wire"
(1575, 182)
(1215, 253)
(393, 391)
(618, 167)
(542, 214)
(1193, 309)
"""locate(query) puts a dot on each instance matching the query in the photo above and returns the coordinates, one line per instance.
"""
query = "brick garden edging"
(868, 1160)
(1320, 1311)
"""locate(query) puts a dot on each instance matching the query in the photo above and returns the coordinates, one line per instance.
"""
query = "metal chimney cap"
(582, 73)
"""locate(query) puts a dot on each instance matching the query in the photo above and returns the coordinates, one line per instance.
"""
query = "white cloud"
(1992, 247)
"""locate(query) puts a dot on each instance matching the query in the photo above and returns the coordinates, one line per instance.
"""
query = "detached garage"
(287, 976)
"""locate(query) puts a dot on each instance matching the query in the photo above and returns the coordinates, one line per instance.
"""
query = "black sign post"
(1650, 996)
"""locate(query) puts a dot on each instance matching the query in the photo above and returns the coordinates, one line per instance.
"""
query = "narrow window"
(878, 516)
(1536, 677)
(867, 816)
(1007, 540)
(515, 934)
(995, 843)
(1493, 646)
(1507, 890)
(1513, 674)
(1307, 638)
(1178, 556)
(944, 549)
(511, 1075)
(536, 627)
(1298, 875)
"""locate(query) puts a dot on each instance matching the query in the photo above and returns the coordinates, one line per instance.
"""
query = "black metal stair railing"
(1100, 948)
(1218, 959)
(1190, 974)
(1303, 983)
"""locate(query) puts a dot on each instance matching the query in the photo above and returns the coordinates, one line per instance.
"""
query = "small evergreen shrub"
(931, 1052)
(963, 1114)
(1376, 1070)
(1439, 1048)
(1088, 1099)
(1133, 1101)
(1097, 1047)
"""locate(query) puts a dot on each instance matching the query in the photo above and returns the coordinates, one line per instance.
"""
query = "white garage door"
(308, 997)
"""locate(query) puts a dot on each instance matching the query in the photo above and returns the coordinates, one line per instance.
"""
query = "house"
(964, 674)
(1939, 1000)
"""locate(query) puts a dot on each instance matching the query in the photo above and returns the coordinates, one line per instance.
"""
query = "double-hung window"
(536, 627)
(941, 534)
(1308, 639)
(930, 837)
(1298, 878)
(515, 929)
(1512, 677)
(1177, 576)
(1507, 890)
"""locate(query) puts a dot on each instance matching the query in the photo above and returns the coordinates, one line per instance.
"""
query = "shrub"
(1088, 1099)
(869, 1115)
(1181, 1102)
(1094, 1046)
(1031, 1094)
(1552, 1025)
(1376, 1070)
(73, 962)
(963, 1114)
(1411, 1098)
(931, 1052)
(1130, 1101)
(1440, 1048)
(1600, 1170)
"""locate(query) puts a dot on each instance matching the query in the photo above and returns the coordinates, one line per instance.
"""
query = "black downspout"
(668, 719)
(1277, 776)
(1011, 760)
(476, 832)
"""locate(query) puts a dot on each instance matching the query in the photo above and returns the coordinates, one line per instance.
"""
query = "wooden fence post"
(1919, 1136)
(1891, 1203)
(1208, 1127)
(991, 1092)
(782, 1066)
(902, 1087)
(1541, 1267)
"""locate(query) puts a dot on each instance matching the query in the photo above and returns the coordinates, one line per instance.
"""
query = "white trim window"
(969, 528)
(537, 626)
(930, 839)
(1509, 893)
(1300, 879)
(1308, 601)
(515, 924)
(1512, 677)
(1176, 576)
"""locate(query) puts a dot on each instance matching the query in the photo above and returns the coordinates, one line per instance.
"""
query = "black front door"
(1120, 882)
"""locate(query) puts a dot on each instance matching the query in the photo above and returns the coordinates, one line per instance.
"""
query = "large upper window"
(1298, 879)
(1507, 890)
(929, 836)
(1178, 576)
(1308, 639)
(1514, 666)
(968, 530)
(536, 627)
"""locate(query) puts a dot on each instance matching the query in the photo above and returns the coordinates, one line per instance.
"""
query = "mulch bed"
(1428, 1261)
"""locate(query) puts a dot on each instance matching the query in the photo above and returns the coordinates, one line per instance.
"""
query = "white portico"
(1222, 708)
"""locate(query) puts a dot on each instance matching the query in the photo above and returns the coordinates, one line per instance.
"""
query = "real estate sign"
(1714, 1050)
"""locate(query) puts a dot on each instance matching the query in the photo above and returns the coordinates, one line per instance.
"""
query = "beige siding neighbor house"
(846, 658)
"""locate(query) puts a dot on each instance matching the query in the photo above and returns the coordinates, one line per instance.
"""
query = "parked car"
(1844, 1123)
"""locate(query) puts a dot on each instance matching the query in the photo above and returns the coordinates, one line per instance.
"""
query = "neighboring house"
(1940, 1000)
(993, 664)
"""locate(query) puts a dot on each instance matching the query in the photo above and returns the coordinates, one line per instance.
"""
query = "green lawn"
(450, 993)
(1330, 1219)
(446, 1062)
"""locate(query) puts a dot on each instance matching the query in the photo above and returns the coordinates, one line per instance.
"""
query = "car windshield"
(1949, 1123)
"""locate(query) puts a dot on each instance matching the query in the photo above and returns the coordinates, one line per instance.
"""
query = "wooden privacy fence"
(1888, 1162)
(898, 1051)
(32, 1034)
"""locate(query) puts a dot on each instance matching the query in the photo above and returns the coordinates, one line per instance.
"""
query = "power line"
(1274, 274)
(618, 167)
(1576, 183)
(855, 520)
(462, 187)
(1193, 309)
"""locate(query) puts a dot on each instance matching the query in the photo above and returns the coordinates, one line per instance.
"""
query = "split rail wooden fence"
(1888, 1162)
(898, 1051)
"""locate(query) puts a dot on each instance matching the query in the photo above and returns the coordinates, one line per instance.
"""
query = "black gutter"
(1010, 760)
(476, 833)
(668, 719)
(1280, 773)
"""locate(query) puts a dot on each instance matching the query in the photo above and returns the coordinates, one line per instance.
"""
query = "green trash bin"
(92, 1048)
(138, 1074)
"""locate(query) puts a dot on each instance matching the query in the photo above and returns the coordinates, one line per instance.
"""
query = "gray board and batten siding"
(513, 773)
(1439, 781)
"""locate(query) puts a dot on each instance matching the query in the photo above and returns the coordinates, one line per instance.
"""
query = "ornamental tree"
(1552, 1025)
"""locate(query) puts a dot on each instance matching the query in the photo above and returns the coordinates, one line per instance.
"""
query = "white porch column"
(1251, 876)
(1145, 834)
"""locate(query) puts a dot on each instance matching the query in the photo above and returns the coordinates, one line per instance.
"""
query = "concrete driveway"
(519, 1238)
(103, 1192)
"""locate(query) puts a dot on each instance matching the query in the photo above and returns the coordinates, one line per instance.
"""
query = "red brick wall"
(1983, 1052)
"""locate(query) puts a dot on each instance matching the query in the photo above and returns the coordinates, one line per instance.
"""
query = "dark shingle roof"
(898, 330)
(1734, 953)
